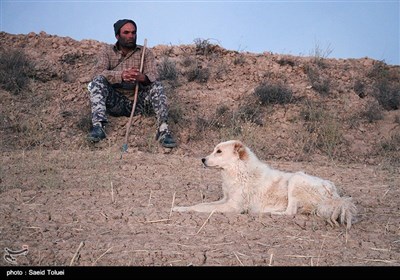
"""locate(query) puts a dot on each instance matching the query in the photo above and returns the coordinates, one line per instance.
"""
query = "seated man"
(117, 72)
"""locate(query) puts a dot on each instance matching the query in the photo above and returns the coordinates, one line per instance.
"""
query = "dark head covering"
(120, 23)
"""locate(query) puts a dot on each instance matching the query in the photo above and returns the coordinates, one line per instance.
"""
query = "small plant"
(320, 54)
(318, 82)
(167, 70)
(222, 110)
(201, 126)
(373, 113)
(168, 51)
(392, 144)
(250, 112)
(312, 112)
(15, 70)
(70, 58)
(387, 86)
(188, 61)
(388, 95)
(324, 131)
(221, 117)
(240, 59)
(273, 94)
(176, 113)
(359, 89)
(197, 73)
(286, 61)
(203, 46)
(31, 131)
(203, 75)
(379, 71)
(397, 119)
(84, 122)
(329, 136)
(192, 72)
(389, 149)
(221, 70)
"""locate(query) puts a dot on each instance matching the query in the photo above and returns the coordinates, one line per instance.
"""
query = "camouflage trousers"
(105, 99)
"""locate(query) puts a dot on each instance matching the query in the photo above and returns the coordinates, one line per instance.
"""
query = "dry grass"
(76, 253)
(15, 70)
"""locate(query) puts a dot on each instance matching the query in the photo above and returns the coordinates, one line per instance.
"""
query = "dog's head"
(226, 154)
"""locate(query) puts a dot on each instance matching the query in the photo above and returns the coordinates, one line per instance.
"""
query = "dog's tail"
(338, 209)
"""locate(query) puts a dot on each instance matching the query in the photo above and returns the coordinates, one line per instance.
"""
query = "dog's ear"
(240, 149)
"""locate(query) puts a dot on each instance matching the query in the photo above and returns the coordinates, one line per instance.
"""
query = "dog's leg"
(292, 206)
(218, 206)
(273, 212)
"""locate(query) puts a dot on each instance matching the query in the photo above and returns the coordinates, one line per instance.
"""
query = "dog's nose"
(203, 160)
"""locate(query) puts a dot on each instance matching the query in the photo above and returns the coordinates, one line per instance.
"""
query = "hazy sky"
(339, 29)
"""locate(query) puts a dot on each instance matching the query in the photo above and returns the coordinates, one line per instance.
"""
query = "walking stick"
(128, 126)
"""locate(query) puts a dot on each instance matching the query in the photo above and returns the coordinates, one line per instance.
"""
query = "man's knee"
(156, 89)
(98, 82)
(157, 85)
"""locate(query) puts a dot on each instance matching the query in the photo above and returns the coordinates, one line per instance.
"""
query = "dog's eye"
(219, 151)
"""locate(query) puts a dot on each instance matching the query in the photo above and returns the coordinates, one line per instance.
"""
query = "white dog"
(250, 185)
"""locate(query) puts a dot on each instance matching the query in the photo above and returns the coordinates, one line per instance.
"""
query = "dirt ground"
(94, 208)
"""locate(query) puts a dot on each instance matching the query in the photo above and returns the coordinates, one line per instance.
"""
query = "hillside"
(210, 88)
(334, 118)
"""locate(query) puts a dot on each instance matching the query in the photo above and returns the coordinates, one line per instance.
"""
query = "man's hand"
(133, 75)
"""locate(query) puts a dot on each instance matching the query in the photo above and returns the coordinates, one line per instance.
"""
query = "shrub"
(196, 73)
(240, 59)
(273, 94)
(167, 70)
(397, 119)
(250, 112)
(286, 61)
(392, 144)
(373, 113)
(203, 46)
(387, 86)
(329, 136)
(187, 61)
(15, 69)
(324, 131)
(388, 95)
(320, 54)
(221, 70)
(359, 88)
(318, 82)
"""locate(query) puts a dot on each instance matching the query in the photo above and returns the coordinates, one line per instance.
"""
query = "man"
(117, 72)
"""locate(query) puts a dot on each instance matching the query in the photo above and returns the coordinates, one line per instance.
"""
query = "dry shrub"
(198, 73)
(389, 150)
(15, 70)
(203, 46)
(239, 59)
(167, 69)
(319, 83)
(31, 132)
(273, 93)
(324, 132)
(373, 113)
(388, 95)
(386, 85)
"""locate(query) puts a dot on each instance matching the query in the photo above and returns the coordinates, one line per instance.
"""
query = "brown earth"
(75, 203)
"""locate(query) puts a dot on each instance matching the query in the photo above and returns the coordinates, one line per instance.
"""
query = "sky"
(333, 29)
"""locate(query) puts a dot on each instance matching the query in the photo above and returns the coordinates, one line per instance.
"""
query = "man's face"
(127, 36)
